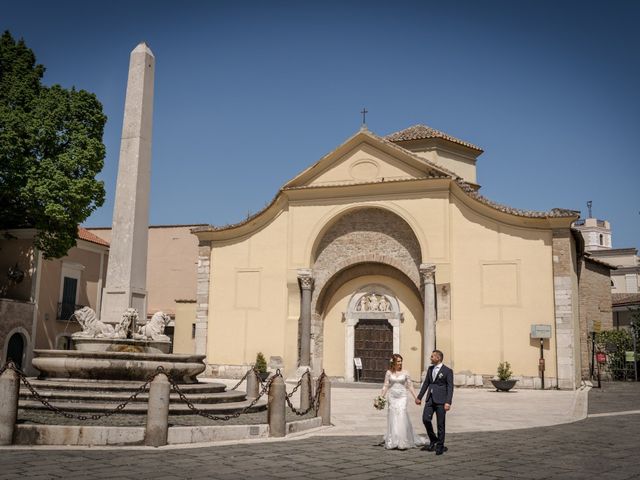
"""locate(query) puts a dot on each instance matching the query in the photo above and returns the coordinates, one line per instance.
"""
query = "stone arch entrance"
(361, 238)
(16, 349)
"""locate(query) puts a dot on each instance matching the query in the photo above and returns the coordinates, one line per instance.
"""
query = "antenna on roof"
(589, 203)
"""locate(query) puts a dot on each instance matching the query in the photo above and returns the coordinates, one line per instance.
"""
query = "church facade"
(386, 246)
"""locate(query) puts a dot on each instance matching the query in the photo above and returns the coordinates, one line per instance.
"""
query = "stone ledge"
(128, 436)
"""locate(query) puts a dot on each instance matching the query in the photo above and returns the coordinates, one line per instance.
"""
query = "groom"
(438, 385)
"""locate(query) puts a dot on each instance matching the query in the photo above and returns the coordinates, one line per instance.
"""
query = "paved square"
(602, 446)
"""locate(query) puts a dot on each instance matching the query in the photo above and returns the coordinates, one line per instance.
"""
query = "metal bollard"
(253, 384)
(276, 414)
(324, 409)
(9, 388)
(305, 391)
(157, 429)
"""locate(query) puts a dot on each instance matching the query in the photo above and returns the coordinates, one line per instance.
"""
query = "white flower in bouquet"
(379, 402)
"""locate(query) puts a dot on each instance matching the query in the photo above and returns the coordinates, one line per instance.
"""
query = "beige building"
(385, 245)
(172, 263)
(38, 296)
(625, 277)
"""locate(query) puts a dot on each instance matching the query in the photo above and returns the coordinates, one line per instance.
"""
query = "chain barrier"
(318, 392)
(298, 385)
(314, 400)
(68, 414)
(201, 413)
(244, 378)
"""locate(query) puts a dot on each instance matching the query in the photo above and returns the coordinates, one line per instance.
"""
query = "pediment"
(366, 158)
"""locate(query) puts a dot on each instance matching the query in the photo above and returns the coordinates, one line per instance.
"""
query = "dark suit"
(439, 392)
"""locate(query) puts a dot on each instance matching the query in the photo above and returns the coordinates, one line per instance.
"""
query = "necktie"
(435, 372)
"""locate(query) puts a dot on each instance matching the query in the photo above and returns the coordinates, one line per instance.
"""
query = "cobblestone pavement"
(601, 446)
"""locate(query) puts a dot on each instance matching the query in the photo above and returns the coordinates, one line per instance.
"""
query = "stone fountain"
(126, 352)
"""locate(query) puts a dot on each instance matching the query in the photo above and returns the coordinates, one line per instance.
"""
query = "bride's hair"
(393, 359)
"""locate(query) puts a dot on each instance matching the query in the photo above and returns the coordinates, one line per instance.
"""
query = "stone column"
(9, 390)
(126, 284)
(277, 408)
(324, 409)
(305, 391)
(202, 297)
(427, 275)
(565, 286)
(305, 279)
(157, 429)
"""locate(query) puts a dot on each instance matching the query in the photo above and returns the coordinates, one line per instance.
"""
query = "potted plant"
(504, 383)
(261, 366)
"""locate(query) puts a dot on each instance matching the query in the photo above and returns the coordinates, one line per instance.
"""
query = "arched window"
(601, 239)
(15, 349)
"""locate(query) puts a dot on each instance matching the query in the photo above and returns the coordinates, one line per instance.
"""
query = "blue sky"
(249, 94)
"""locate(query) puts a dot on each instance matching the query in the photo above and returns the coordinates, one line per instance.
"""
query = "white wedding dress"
(397, 386)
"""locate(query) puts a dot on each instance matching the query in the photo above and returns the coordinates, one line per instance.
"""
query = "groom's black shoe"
(429, 448)
(440, 450)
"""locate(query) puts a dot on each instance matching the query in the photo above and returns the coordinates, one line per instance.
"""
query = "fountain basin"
(120, 345)
(110, 365)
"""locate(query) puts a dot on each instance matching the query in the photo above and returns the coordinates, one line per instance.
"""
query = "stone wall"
(566, 308)
(15, 316)
(367, 235)
(202, 297)
(595, 306)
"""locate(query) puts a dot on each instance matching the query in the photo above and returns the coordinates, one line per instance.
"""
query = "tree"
(50, 152)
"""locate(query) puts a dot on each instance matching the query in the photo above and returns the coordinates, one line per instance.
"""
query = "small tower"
(596, 233)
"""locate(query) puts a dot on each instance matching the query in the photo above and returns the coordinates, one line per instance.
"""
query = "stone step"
(112, 386)
(180, 408)
(118, 397)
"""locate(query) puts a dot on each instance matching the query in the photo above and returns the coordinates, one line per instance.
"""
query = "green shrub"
(504, 371)
(261, 363)
(615, 343)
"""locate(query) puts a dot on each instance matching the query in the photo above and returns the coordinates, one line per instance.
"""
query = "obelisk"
(126, 284)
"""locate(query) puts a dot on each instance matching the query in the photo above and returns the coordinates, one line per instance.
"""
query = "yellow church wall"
(183, 339)
(458, 164)
(334, 331)
(502, 282)
(247, 296)
(500, 276)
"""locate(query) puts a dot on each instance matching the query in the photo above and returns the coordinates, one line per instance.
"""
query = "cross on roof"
(364, 115)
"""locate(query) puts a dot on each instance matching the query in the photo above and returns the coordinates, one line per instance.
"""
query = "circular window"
(364, 170)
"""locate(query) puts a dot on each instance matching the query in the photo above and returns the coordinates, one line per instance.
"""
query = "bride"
(397, 385)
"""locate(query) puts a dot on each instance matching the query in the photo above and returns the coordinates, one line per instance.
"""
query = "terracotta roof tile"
(589, 258)
(86, 235)
(622, 299)
(419, 132)
(555, 212)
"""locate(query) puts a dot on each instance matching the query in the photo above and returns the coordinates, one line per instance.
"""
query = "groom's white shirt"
(435, 371)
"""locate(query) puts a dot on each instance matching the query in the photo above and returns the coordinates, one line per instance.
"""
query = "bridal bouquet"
(379, 402)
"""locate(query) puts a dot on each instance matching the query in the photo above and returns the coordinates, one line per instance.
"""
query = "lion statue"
(91, 326)
(129, 318)
(154, 328)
